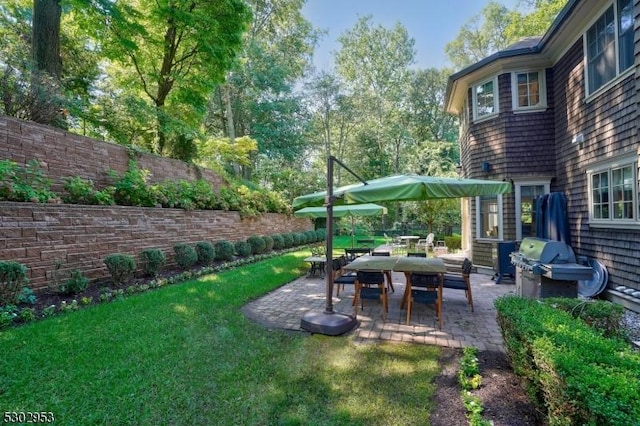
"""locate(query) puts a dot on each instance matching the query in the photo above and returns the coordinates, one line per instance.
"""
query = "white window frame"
(496, 99)
(619, 74)
(542, 87)
(607, 167)
(518, 194)
(479, 235)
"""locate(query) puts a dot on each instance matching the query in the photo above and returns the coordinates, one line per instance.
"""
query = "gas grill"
(547, 268)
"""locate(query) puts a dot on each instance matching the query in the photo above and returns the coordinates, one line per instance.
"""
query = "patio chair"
(425, 288)
(389, 282)
(461, 281)
(370, 286)
(426, 242)
(340, 276)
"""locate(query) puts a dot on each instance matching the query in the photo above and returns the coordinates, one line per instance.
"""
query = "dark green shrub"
(288, 239)
(206, 253)
(75, 284)
(311, 236)
(278, 242)
(13, 276)
(321, 234)
(295, 236)
(257, 244)
(121, 267)
(243, 249)
(152, 260)
(26, 295)
(599, 314)
(224, 250)
(268, 243)
(453, 242)
(302, 238)
(186, 256)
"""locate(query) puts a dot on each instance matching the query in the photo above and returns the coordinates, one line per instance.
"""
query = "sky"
(431, 23)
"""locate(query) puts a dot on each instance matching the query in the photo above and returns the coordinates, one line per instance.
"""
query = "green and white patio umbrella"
(352, 210)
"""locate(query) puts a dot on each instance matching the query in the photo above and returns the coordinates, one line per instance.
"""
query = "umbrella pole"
(328, 322)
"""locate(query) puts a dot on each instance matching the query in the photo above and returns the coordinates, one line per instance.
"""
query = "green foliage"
(26, 315)
(24, 183)
(75, 284)
(453, 242)
(469, 373)
(82, 191)
(311, 236)
(27, 296)
(288, 239)
(580, 376)
(121, 267)
(186, 255)
(602, 315)
(224, 250)
(131, 189)
(257, 244)
(13, 276)
(243, 249)
(268, 243)
(474, 408)
(278, 242)
(321, 234)
(7, 314)
(206, 253)
(152, 260)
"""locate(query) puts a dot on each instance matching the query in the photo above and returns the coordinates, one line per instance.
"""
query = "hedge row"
(577, 374)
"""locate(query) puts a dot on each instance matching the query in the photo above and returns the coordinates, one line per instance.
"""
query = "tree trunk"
(46, 36)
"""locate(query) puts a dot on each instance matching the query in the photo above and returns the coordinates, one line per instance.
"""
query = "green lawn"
(185, 354)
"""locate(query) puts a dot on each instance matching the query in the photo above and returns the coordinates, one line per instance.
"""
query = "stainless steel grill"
(547, 268)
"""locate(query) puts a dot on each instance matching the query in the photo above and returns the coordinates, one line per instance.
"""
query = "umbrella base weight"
(330, 324)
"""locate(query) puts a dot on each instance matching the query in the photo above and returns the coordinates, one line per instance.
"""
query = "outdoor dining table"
(407, 265)
(318, 264)
(410, 239)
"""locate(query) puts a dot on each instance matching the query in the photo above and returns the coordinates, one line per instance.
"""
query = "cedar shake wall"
(608, 122)
(63, 154)
(37, 235)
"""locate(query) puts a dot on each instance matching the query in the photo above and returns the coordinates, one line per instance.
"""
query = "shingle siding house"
(559, 113)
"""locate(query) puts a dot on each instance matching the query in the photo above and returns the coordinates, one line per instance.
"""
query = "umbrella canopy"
(406, 188)
(368, 209)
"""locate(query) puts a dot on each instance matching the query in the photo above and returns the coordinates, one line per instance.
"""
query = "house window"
(526, 196)
(529, 90)
(613, 193)
(489, 217)
(485, 99)
(609, 45)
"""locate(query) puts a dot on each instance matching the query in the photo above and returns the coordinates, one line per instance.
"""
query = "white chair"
(426, 242)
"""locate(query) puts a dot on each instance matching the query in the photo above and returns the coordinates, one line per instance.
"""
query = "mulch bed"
(504, 399)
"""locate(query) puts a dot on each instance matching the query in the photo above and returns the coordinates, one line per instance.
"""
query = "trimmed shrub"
(311, 236)
(296, 239)
(257, 244)
(13, 276)
(76, 283)
(453, 242)
(268, 241)
(121, 267)
(206, 253)
(153, 260)
(288, 239)
(602, 315)
(278, 242)
(321, 234)
(243, 249)
(186, 256)
(224, 250)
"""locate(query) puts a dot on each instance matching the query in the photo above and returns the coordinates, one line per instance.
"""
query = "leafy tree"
(374, 63)
(481, 36)
(172, 54)
(258, 98)
(535, 23)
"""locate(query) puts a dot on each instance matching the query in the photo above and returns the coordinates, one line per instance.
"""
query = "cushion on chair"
(423, 296)
(345, 279)
(456, 282)
(370, 293)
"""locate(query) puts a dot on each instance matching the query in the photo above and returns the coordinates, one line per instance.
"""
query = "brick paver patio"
(284, 307)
